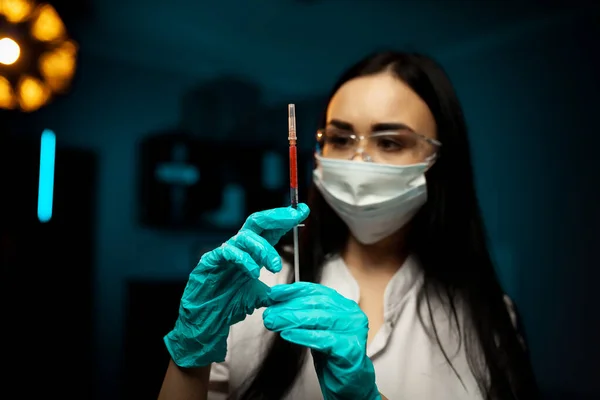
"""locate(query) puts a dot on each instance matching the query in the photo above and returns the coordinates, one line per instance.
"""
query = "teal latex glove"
(334, 328)
(224, 287)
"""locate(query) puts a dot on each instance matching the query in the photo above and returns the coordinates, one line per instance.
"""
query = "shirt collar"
(337, 276)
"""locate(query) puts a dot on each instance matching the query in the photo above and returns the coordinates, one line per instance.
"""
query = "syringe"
(292, 139)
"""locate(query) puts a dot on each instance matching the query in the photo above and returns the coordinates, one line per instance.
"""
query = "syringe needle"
(296, 256)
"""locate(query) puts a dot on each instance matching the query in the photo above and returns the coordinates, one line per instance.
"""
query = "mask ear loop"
(431, 160)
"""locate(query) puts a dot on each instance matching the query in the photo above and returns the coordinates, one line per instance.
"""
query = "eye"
(395, 141)
(339, 139)
(390, 143)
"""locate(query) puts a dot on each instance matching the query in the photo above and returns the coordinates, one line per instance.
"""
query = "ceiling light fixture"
(38, 59)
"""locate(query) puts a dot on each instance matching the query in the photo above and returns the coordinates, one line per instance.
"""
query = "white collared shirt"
(407, 360)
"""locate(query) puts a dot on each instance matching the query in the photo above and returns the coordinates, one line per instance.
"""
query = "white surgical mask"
(374, 200)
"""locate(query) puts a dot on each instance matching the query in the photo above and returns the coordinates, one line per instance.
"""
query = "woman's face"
(379, 103)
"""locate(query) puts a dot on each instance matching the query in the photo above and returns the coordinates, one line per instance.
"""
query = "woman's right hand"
(224, 287)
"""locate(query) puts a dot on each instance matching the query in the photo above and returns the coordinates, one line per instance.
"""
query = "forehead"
(380, 98)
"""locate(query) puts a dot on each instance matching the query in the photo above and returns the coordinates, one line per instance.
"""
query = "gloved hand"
(334, 328)
(224, 287)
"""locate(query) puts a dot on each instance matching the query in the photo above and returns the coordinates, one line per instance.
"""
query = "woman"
(399, 297)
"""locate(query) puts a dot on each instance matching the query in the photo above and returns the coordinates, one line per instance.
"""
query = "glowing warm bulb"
(47, 26)
(32, 93)
(58, 66)
(9, 51)
(16, 11)
(7, 96)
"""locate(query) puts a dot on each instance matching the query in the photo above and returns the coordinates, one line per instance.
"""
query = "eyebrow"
(379, 127)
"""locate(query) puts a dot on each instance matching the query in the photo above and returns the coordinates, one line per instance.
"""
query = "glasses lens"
(399, 147)
(338, 143)
(395, 147)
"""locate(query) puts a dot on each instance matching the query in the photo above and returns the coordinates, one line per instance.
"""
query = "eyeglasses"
(398, 147)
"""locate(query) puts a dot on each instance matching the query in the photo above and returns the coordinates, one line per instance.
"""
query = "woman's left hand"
(334, 328)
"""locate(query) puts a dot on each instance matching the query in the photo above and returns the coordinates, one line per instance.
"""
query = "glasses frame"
(360, 137)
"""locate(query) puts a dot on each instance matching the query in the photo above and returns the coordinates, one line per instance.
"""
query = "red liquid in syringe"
(294, 175)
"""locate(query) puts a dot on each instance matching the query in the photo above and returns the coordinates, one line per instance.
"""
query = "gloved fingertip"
(267, 320)
(276, 264)
(278, 291)
(287, 335)
(303, 209)
(275, 289)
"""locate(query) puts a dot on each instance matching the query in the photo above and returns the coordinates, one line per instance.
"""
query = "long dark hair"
(448, 238)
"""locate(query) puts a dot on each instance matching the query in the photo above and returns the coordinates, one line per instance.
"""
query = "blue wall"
(522, 95)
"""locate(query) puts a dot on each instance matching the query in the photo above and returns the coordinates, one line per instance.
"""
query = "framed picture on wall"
(188, 183)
